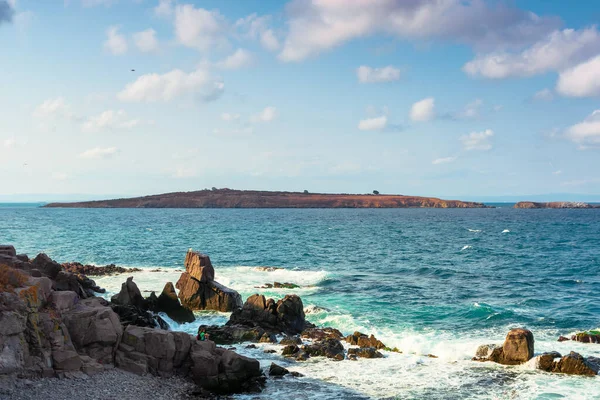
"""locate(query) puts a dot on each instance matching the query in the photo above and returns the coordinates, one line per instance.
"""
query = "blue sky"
(447, 98)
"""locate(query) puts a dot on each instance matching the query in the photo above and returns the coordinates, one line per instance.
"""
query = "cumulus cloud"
(583, 80)
(230, 116)
(477, 140)
(557, 51)
(373, 124)
(444, 160)
(146, 40)
(543, 95)
(173, 84)
(257, 28)
(56, 107)
(199, 28)
(6, 12)
(423, 110)
(374, 75)
(115, 42)
(98, 153)
(109, 119)
(266, 115)
(164, 8)
(586, 132)
(317, 26)
(239, 59)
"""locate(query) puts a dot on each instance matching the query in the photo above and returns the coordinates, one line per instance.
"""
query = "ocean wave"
(506, 231)
(474, 230)
(466, 247)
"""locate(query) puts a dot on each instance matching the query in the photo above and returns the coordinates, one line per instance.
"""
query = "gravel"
(108, 385)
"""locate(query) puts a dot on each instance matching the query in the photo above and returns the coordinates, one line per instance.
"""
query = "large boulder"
(129, 295)
(573, 364)
(168, 303)
(517, 348)
(285, 315)
(364, 341)
(46, 265)
(199, 267)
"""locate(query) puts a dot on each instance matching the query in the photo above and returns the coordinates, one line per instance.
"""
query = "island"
(554, 204)
(229, 198)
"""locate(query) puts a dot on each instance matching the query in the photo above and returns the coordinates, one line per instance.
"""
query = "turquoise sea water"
(428, 281)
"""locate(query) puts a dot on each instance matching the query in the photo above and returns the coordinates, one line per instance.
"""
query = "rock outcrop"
(199, 291)
(168, 302)
(133, 309)
(573, 363)
(553, 204)
(92, 270)
(364, 341)
(517, 349)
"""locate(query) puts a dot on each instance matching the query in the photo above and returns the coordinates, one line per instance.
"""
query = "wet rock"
(330, 348)
(576, 364)
(546, 361)
(286, 285)
(230, 334)
(322, 333)
(92, 270)
(199, 267)
(270, 351)
(290, 340)
(196, 295)
(168, 303)
(8, 250)
(517, 348)
(296, 374)
(362, 340)
(587, 337)
(250, 346)
(276, 370)
(365, 352)
(129, 295)
(485, 350)
(563, 339)
(290, 350)
(267, 338)
(46, 265)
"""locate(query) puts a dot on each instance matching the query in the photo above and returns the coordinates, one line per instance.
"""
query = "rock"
(587, 337)
(575, 364)
(517, 348)
(485, 350)
(270, 351)
(66, 360)
(78, 268)
(362, 340)
(290, 340)
(276, 370)
(196, 295)
(290, 350)
(296, 374)
(322, 333)
(132, 315)
(129, 295)
(563, 339)
(63, 301)
(199, 267)
(546, 361)
(8, 250)
(46, 265)
(168, 303)
(330, 348)
(250, 346)
(231, 334)
(287, 315)
(365, 352)
(268, 338)
(286, 285)
(11, 323)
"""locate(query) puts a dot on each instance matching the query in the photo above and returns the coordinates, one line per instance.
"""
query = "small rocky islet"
(52, 325)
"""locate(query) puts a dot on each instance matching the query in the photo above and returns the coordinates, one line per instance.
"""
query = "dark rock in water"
(290, 349)
(268, 338)
(330, 348)
(290, 340)
(563, 339)
(132, 315)
(168, 303)
(251, 346)
(270, 351)
(129, 295)
(230, 334)
(517, 348)
(276, 370)
(287, 315)
(296, 374)
(199, 291)
(112, 269)
(286, 285)
(322, 333)
(576, 364)
(485, 351)
(365, 352)
(587, 337)
(546, 362)
(362, 340)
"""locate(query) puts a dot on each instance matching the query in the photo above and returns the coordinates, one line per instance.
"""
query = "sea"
(435, 282)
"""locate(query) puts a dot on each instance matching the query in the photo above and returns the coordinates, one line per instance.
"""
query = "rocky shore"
(553, 204)
(58, 337)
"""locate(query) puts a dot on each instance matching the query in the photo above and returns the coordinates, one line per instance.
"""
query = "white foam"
(506, 231)
(466, 247)
(474, 230)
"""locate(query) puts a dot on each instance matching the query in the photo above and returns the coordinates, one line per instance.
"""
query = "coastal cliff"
(553, 204)
(228, 198)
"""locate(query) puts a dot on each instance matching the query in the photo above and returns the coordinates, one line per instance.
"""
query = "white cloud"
(115, 42)
(317, 26)
(472, 109)
(146, 40)
(559, 50)
(59, 176)
(423, 110)
(109, 120)
(199, 28)
(239, 59)
(372, 124)
(444, 160)
(257, 28)
(176, 83)
(56, 107)
(543, 95)
(373, 75)
(98, 153)
(164, 8)
(94, 3)
(586, 132)
(9, 143)
(230, 116)
(477, 140)
(266, 115)
(582, 80)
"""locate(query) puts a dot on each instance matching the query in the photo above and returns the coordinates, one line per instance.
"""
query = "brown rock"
(365, 352)
(196, 295)
(362, 340)
(289, 350)
(276, 370)
(199, 267)
(129, 295)
(322, 333)
(576, 364)
(546, 361)
(168, 303)
(330, 348)
(587, 337)
(517, 348)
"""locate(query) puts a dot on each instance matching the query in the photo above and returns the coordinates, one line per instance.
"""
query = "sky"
(446, 98)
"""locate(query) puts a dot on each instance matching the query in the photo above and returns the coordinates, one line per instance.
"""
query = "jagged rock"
(365, 352)
(285, 285)
(362, 340)
(199, 267)
(563, 339)
(168, 303)
(485, 350)
(46, 265)
(290, 340)
(330, 348)
(576, 364)
(587, 337)
(546, 361)
(63, 301)
(78, 268)
(276, 370)
(517, 348)
(287, 315)
(321, 333)
(289, 350)
(197, 295)
(129, 295)
(8, 250)
(230, 334)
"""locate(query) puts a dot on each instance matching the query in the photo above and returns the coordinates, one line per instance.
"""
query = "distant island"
(229, 198)
(554, 204)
